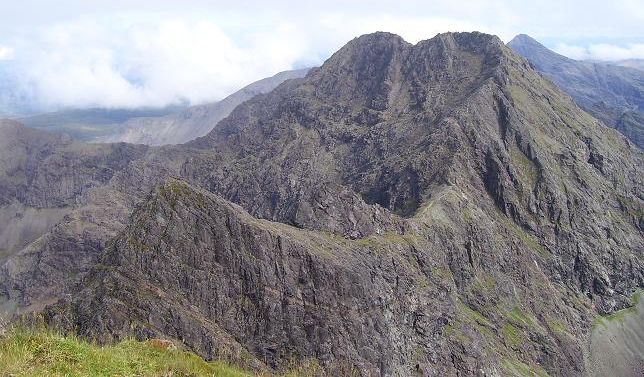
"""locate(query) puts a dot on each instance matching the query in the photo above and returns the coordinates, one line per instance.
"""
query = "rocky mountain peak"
(537, 53)
(376, 69)
(427, 208)
(524, 39)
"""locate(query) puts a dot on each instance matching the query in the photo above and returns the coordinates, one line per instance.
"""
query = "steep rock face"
(470, 218)
(47, 180)
(308, 142)
(613, 94)
(279, 291)
(386, 304)
(47, 170)
(501, 131)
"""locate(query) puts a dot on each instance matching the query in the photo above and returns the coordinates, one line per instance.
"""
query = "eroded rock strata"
(438, 208)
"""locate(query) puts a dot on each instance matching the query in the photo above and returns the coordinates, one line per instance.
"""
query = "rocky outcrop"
(437, 208)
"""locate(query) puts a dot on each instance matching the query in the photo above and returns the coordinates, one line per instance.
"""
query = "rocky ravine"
(437, 208)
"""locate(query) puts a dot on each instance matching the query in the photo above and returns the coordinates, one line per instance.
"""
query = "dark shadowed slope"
(195, 121)
(613, 94)
(438, 208)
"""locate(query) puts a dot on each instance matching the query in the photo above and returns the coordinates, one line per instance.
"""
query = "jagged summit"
(537, 53)
(438, 208)
(374, 64)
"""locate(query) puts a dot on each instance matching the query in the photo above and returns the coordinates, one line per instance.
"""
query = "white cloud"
(129, 53)
(6, 53)
(601, 51)
(84, 64)
(133, 61)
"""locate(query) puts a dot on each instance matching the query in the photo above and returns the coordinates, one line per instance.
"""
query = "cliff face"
(437, 207)
(51, 227)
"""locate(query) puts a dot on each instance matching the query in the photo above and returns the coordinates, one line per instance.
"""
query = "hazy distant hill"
(89, 124)
(194, 121)
(435, 209)
(611, 93)
(152, 126)
(632, 63)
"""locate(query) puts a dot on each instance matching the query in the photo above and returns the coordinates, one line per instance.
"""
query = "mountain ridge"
(378, 221)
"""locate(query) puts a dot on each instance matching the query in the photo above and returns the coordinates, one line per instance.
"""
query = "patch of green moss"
(527, 169)
(513, 336)
(581, 300)
(137, 244)
(473, 315)
(519, 317)
(454, 331)
(524, 236)
(423, 281)
(442, 273)
(483, 282)
(557, 326)
(514, 367)
(467, 214)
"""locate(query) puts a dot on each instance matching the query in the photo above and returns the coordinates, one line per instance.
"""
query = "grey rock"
(438, 209)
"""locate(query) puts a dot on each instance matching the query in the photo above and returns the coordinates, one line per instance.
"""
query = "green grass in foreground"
(28, 352)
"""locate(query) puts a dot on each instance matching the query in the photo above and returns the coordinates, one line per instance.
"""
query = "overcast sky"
(130, 53)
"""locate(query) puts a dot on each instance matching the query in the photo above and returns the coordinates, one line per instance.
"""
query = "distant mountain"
(152, 126)
(90, 124)
(195, 121)
(435, 209)
(631, 63)
(613, 94)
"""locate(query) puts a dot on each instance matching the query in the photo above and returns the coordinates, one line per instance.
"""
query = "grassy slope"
(27, 352)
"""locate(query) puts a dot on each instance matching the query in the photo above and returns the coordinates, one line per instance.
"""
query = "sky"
(152, 53)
